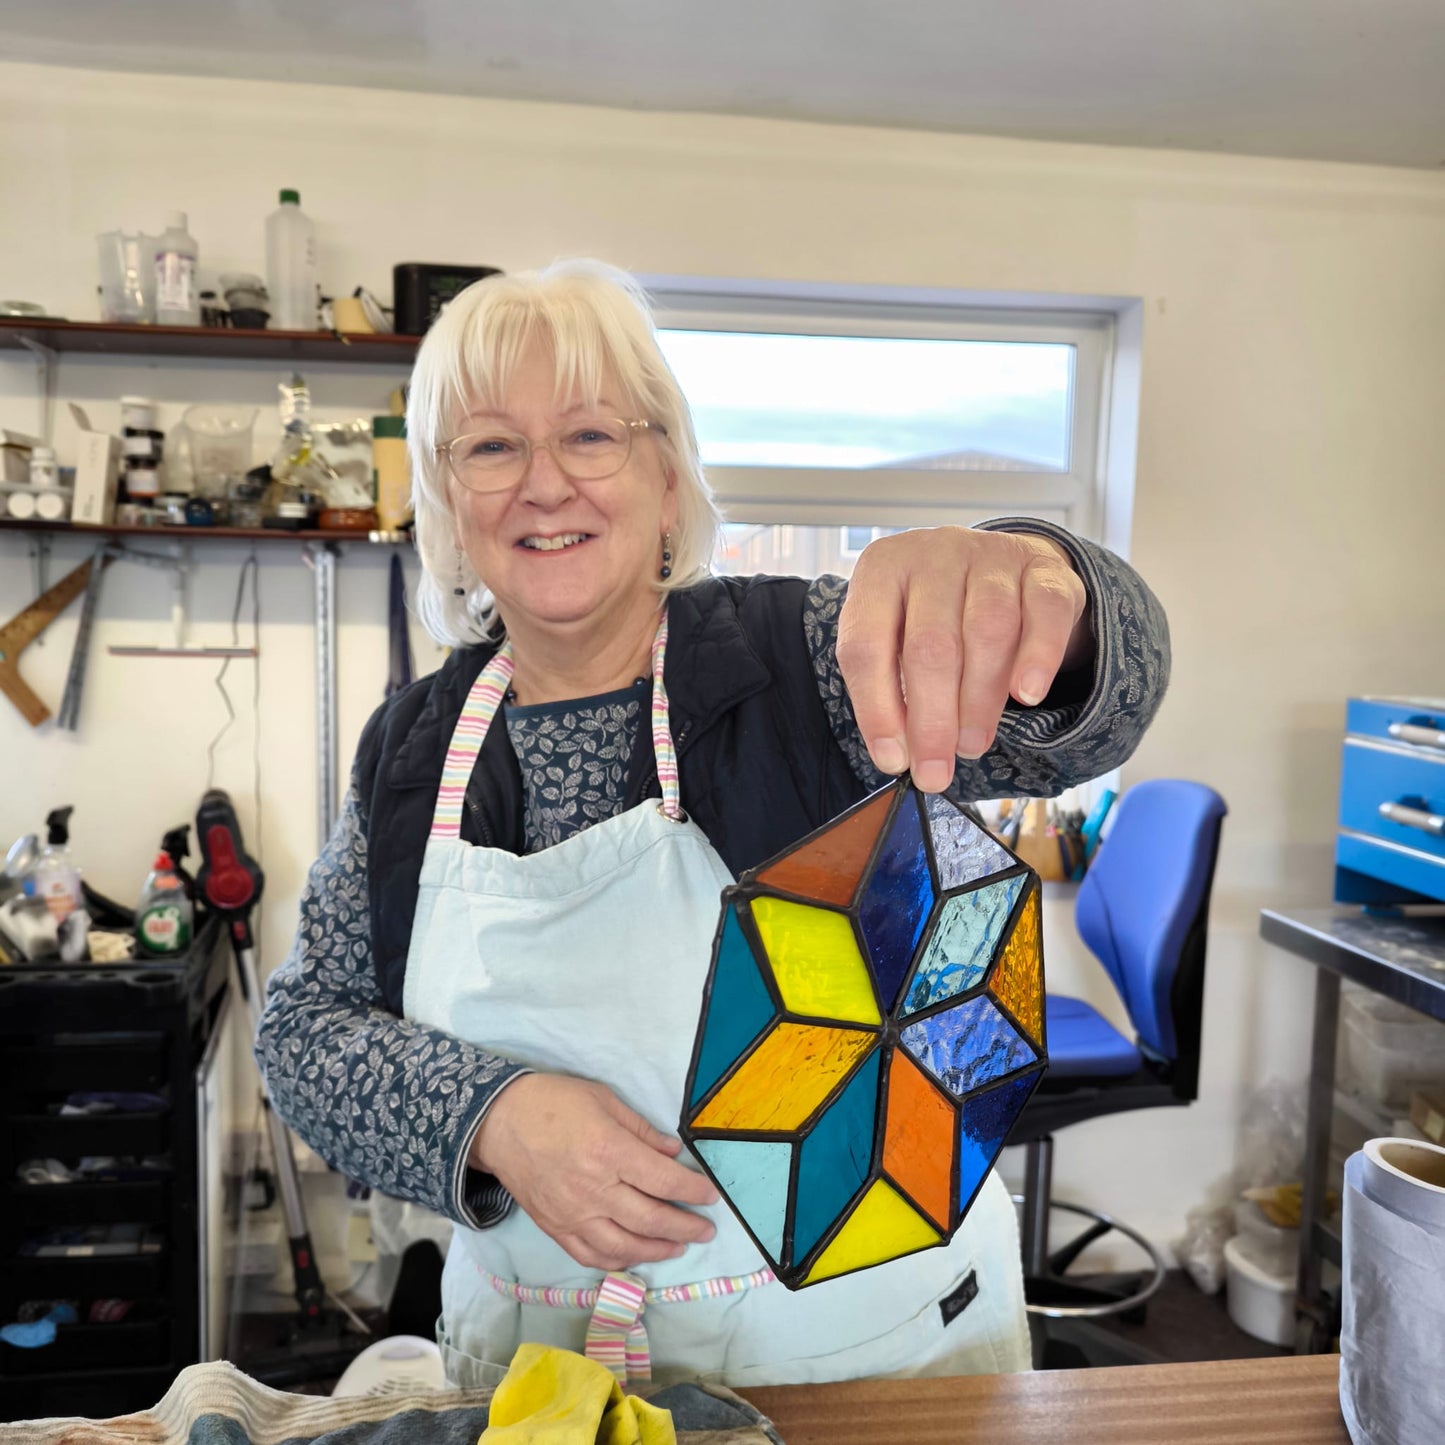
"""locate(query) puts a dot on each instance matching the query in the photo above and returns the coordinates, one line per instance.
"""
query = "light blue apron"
(589, 958)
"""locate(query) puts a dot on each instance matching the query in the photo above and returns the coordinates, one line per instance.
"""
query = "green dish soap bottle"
(164, 915)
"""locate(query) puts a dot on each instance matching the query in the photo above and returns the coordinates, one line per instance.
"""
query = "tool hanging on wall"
(31, 621)
(27, 624)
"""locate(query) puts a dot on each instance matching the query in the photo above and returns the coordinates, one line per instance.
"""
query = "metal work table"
(1401, 958)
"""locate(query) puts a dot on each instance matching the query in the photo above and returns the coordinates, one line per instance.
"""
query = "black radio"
(420, 290)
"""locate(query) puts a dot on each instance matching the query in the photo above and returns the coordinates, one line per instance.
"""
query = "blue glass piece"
(739, 1007)
(753, 1174)
(984, 1122)
(836, 1157)
(896, 902)
(964, 852)
(962, 943)
(967, 1046)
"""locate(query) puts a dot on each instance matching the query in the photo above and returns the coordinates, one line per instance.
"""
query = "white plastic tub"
(1260, 1303)
(1388, 1050)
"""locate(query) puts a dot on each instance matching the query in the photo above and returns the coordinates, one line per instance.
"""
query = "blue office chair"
(1142, 909)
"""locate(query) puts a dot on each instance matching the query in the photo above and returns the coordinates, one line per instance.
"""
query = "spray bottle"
(55, 879)
(164, 914)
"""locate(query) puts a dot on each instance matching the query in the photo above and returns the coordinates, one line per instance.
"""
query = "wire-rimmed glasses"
(496, 459)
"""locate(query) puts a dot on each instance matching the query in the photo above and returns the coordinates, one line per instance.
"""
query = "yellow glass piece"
(815, 959)
(883, 1226)
(785, 1078)
(1017, 981)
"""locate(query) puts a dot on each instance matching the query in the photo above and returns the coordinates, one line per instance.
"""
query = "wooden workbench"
(1293, 1400)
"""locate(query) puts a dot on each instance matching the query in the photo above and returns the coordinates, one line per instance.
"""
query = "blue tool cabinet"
(1391, 843)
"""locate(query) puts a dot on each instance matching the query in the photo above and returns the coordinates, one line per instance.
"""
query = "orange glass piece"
(830, 867)
(918, 1138)
(779, 1085)
(1017, 981)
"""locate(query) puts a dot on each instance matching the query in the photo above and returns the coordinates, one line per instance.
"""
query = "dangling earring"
(459, 590)
(665, 571)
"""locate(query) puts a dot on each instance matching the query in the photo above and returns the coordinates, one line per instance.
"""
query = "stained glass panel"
(737, 1011)
(918, 1139)
(830, 866)
(962, 942)
(779, 1085)
(816, 962)
(967, 1046)
(896, 901)
(867, 1182)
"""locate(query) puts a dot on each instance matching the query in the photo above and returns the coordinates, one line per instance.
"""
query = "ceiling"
(1349, 80)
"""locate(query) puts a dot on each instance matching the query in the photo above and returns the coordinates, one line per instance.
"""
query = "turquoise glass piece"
(836, 1157)
(753, 1173)
(739, 1008)
(983, 1125)
(896, 901)
(962, 943)
(967, 1046)
(963, 851)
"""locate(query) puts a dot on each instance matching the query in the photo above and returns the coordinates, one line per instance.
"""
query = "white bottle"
(291, 265)
(178, 299)
(55, 880)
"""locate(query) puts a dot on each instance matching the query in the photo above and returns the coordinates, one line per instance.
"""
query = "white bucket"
(1260, 1303)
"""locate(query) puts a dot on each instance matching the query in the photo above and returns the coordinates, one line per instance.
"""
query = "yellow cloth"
(556, 1397)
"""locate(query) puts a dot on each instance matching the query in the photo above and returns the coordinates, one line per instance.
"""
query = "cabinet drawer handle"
(1414, 733)
(1432, 823)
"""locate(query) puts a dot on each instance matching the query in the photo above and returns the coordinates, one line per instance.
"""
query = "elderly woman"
(491, 1002)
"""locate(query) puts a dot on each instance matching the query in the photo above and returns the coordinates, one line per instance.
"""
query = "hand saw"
(22, 629)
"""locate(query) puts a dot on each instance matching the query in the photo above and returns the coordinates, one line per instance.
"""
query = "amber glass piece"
(918, 1138)
(779, 1085)
(1018, 982)
(883, 1226)
(830, 866)
(816, 961)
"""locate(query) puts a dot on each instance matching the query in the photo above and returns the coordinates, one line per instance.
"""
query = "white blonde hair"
(596, 321)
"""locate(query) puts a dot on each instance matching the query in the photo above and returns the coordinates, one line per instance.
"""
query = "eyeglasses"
(587, 451)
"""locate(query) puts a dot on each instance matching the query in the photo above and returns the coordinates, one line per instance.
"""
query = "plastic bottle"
(55, 879)
(178, 297)
(291, 265)
(164, 914)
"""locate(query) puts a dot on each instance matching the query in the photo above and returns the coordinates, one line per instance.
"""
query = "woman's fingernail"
(889, 754)
(932, 776)
(1033, 687)
(971, 742)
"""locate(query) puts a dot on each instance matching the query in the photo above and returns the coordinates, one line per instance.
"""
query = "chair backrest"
(1142, 909)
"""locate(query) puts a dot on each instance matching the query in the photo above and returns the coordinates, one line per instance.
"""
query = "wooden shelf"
(212, 343)
(196, 534)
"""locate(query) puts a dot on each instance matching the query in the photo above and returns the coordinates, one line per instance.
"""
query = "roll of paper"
(1392, 1338)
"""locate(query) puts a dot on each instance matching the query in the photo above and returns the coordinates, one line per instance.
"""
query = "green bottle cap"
(388, 426)
(293, 196)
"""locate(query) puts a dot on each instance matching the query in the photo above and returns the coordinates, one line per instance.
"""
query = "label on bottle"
(164, 928)
(175, 281)
(58, 896)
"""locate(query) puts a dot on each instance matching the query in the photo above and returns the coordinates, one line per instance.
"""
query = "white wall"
(1289, 493)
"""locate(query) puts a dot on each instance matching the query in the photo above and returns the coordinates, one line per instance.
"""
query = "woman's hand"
(940, 626)
(590, 1173)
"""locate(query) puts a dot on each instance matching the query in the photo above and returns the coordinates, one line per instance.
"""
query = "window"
(854, 419)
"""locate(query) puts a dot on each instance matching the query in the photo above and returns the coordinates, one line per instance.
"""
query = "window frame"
(910, 498)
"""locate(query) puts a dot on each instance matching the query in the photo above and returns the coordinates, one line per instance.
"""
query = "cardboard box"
(1427, 1114)
(15, 449)
(97, 473)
